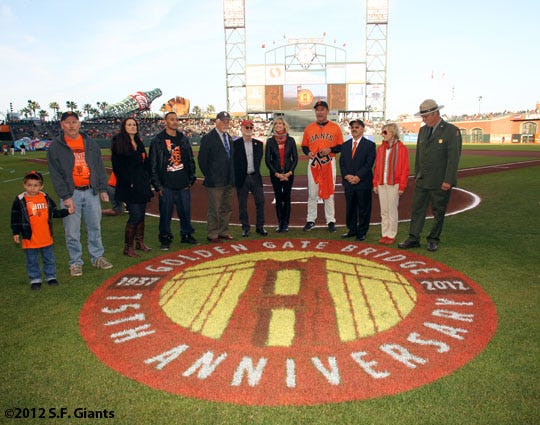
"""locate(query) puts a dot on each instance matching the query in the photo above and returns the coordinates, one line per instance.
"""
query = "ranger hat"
(427, 107)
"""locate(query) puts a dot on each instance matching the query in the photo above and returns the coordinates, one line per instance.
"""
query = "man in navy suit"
(356, 162)
(216, 163)
(248, 153)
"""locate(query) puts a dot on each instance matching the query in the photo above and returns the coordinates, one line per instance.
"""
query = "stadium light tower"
(234, 23)
(376, 56)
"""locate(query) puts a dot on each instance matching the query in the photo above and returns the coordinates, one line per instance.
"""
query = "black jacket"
(160, 160)
(132, 173)
(360, 165)
(272, 160)
(214, 162)
(240, 161)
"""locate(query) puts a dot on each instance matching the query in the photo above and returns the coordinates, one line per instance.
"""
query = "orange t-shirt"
(81, 171)
(38, 212)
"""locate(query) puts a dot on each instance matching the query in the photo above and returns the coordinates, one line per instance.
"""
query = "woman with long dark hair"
(131, 167)
(281, 158)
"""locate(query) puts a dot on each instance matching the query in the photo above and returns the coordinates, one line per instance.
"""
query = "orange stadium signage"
(279, 322)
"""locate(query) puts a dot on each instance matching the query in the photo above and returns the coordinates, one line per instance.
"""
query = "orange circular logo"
(278, 322)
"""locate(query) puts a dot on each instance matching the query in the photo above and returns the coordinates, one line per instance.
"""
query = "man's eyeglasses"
(248, 127)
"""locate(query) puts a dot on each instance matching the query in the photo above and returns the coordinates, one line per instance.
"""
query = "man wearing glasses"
(356, 163)
(247, 157)
(437, 157)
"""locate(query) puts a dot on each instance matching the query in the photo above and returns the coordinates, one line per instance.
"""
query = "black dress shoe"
(262, 232)
(361, 238)
(285, 228)
(245, 233)
(433, 246)
(348, 235)
(189, 239)
(408, 243)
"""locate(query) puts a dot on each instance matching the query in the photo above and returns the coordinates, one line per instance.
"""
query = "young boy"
(31, 217)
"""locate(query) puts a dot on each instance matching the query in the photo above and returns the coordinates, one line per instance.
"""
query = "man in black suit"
(216, 163)
(356, 162)
(248, 153)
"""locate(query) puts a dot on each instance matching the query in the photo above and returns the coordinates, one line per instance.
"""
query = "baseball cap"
(223, 115)
(357, 121)
(68, 114)
(246, 123)
(321, 103)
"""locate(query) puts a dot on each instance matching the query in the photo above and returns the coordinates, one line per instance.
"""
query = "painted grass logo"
(279, 322)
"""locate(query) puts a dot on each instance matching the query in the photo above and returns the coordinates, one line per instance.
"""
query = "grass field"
(46, 364)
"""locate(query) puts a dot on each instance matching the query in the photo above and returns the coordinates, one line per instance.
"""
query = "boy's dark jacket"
(20, 221)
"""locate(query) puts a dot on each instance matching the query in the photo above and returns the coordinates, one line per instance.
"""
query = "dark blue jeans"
(136, 213)
(32, 263)
(182, 200)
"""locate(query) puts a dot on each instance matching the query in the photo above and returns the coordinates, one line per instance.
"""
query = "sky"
(471, 56)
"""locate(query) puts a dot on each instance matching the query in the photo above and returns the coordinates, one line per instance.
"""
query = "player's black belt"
(82, 187)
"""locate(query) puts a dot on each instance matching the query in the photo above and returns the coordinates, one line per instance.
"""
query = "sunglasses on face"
(249, 127)
(384, 132)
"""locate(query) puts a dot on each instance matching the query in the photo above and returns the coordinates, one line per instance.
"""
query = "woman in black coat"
(131, 168)
(281, 158)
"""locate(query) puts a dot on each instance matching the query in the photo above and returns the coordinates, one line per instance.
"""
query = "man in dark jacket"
(248, 154)
(172, 175)
(216, 163)
(356, 163)
(79, 178)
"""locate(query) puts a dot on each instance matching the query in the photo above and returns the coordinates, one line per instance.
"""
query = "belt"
(82, 187)
(251, 174)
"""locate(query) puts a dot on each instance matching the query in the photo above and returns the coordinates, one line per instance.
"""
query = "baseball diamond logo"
(279, 322)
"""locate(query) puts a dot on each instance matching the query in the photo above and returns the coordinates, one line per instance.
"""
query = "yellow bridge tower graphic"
(286, 299)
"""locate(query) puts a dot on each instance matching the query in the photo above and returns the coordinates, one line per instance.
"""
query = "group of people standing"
(385, 172)
(80, 180)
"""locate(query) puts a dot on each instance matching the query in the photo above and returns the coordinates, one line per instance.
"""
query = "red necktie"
(355, 144)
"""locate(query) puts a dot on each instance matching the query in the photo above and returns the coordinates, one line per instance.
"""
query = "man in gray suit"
(216, 163)
(437, 157)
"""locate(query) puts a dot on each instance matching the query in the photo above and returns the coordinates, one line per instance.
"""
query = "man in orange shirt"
(321, 142)
(79, 178)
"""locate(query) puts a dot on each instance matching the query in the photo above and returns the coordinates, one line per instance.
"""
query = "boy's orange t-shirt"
(38, 212)
(81, 171)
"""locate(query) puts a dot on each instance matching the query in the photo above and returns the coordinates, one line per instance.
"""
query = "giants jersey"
(317, 137)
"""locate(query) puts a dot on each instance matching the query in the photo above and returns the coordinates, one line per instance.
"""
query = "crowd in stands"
(105, 128)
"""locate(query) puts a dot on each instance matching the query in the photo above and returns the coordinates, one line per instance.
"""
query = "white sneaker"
(102, 263)
(75, 270)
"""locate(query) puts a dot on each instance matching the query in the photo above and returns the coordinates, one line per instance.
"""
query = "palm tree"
(102, 105)
(55, 107)
(196, 111)
(71, 105)
(43, 114)
(87, 108)
(210, 110)
(33, 106)
(25, 111)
